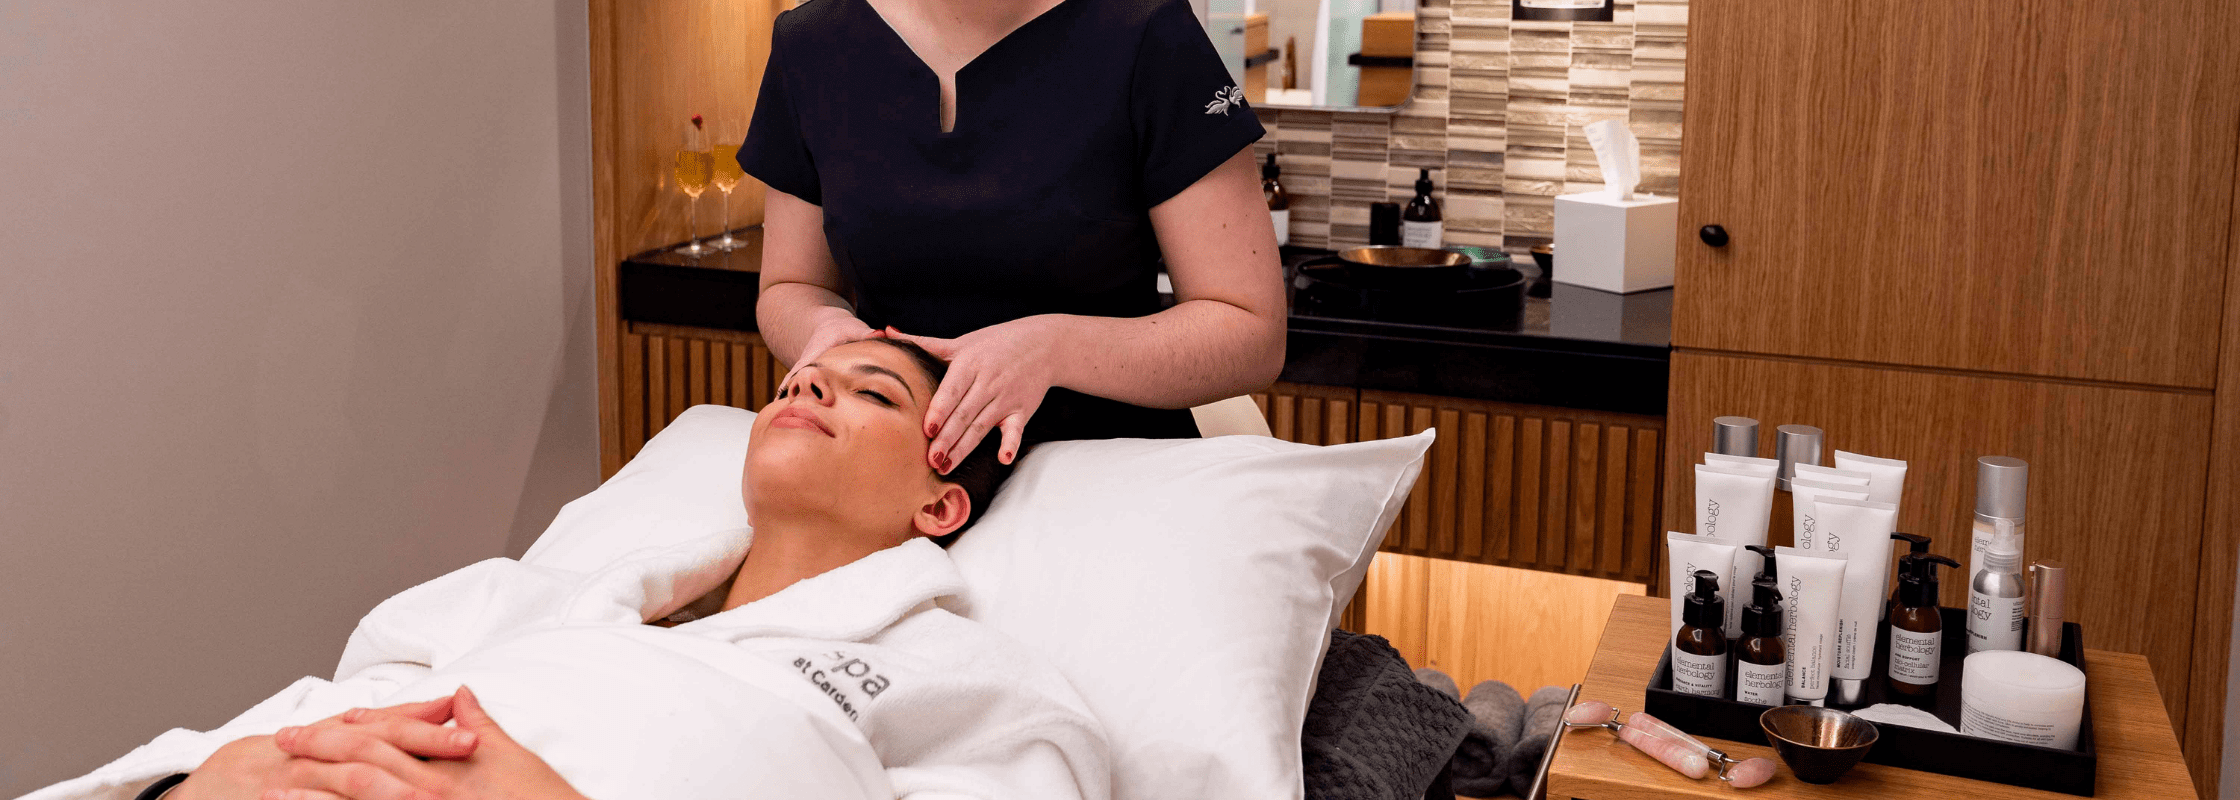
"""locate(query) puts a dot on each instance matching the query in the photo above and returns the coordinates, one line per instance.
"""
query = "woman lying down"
(814, 665)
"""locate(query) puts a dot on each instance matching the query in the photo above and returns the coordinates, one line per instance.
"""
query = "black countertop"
(1579, 348)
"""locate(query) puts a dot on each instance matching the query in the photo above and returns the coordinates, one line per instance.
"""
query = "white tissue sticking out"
(1619, 155)
(1893, 714)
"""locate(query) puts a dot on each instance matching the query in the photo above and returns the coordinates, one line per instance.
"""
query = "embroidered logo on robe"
(1225, 99)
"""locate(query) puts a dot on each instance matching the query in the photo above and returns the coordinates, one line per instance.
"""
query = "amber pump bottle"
(1279, 201)
(1916, 626)
(1761, 659)
(1699, 650)
(1917, 544)
(1420, 223)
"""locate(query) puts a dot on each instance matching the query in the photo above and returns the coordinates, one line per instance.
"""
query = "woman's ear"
(946, 513)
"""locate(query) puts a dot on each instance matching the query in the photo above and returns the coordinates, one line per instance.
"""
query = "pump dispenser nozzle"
(1705, 609)
(1917, 578)
(1919, 543)
(1771, 572)
(1763, 616)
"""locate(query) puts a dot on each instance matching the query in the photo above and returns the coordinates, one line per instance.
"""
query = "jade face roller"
(1685, 754)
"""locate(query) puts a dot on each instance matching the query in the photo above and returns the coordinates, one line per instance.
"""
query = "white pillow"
(1185, 587)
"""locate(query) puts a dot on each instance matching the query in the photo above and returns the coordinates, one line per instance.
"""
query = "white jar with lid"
(2020, 696)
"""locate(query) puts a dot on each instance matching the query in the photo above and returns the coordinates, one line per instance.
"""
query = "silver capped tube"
(1793, 445)
(1734, 436)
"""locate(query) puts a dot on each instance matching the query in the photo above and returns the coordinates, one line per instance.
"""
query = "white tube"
(1858, 532)
(1744, 463)
(1839, 477)
(1684, 554)
(1735, 506)
(1811, 584)
(1886, 483)
(1804, 493)
(1886, 476)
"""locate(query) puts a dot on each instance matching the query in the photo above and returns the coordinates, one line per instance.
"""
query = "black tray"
(2066, 771)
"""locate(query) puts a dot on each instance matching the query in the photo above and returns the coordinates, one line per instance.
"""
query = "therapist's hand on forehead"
(997, 377)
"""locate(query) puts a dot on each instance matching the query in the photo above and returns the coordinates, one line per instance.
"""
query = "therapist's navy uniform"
(1068, 130)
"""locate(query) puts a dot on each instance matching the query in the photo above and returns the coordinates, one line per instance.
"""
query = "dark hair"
(980, 473)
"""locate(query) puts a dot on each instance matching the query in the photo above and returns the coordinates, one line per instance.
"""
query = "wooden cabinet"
(1544, 488)
(667, 369)
(1966, 229)
(2034, 187)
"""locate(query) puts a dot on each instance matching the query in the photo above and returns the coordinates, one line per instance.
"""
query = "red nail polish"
(941, 461)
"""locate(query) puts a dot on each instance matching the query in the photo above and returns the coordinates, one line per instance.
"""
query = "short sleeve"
(1189, 112)
(775, 152)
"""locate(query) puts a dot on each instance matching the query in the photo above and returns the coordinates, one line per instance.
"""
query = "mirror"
(1336, 54)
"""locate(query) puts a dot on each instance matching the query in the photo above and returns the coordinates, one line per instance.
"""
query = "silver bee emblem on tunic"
(1225, 99)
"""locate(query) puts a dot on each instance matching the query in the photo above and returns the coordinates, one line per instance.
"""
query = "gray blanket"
(1373, 732)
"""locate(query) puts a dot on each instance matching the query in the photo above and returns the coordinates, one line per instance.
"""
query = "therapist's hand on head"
(333, 763)
(997, 378)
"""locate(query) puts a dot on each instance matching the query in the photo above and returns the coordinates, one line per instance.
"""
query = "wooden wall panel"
(653, 66)
(1925, 183)
(667, 369)
(2117, 479)
(1528, 486)
(2203, 734)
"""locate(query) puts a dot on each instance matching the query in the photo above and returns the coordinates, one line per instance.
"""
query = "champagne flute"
(694, 163)
(726, 178)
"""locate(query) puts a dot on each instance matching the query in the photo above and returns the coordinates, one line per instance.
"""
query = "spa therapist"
(998, 180)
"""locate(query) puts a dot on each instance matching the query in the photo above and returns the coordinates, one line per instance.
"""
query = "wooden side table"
(2138, 751)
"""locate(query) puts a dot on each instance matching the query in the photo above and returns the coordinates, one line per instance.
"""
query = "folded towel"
(1439, 680)
(1372, 732)
(1481, 766)
(1543, 717)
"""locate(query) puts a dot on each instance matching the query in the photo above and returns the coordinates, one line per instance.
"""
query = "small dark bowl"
(1818, 744)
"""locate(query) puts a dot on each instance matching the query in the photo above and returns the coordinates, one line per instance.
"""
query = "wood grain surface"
(2117, 479)
(2038, 187)
(653, 66)
(2220, 549)
(2137, 748)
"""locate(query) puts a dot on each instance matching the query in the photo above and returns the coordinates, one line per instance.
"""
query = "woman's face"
(845, 442)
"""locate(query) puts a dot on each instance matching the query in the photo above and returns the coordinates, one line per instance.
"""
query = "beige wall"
(295, 312)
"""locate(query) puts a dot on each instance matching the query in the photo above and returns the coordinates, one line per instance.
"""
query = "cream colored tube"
(1684, 554)
(1811, 583)
(1886, 477)
(1744, 463)
(1804, 492)
(1858, 532)
(1735, 506)
(1839, 477)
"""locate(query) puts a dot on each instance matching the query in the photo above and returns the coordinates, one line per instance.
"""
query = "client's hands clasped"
(401, 752)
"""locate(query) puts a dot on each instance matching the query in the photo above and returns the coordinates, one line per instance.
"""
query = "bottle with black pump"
(1699, 650)
(1917, 544)
(1761, 659)
(1279, 201)
(1761, 656)
(1420, 224)
(1916, 627)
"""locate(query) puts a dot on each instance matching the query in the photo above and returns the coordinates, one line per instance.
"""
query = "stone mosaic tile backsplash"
(1497, 115)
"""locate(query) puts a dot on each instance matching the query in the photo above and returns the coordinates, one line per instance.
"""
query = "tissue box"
(1615, 245)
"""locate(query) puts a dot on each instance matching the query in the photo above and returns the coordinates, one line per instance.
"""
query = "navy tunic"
(1068, 130)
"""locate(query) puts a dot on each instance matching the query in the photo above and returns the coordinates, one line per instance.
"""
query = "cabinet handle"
(1713, 235)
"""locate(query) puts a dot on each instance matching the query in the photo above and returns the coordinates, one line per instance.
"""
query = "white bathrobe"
(850, 684)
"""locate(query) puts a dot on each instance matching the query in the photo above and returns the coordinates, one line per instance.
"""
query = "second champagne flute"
(726, 178)
(694, 165)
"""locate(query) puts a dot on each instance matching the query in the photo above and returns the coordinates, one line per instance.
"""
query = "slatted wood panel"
(667, 369)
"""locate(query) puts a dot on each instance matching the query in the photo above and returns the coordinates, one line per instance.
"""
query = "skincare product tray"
(2066, 771)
